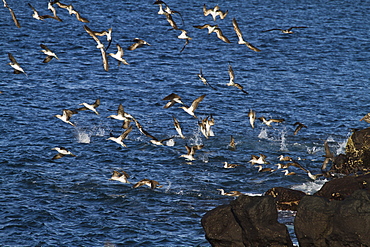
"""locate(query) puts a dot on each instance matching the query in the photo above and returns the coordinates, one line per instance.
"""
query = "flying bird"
(190, 110)
(177, 125)
(90, 107)
(203, 79)
(62, 152)
(299, 127)
(191, 152)
(15, 20)
(148, 182)
(50, 55)
(215, 12)
(67, 114)
(17, 68)
(240, 37)
(220, 35)
(289, 30)
(173, 98)
(138, 43)
(268, 122)
(329, 156)
(210, 28)
(119, 55)
(231, 81)
(40, 17)
(119, 139)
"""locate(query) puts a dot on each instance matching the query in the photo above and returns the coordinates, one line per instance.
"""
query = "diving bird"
(120, 176)
(299, 127)
(171, 21)
(240, 37)
(231, 80)
(184, 35)
(67, 114)
(148, 182)
(289, 30)
(107, 33)
(137, 43)
(99, 46)
(205, 126)
(173, 98)
(119, 55)
(314, 176)
(90, 107)
(215, 12)
(268, 122)
(191, 152)
(203, 79)
(252, 117)
(50, 55)
(17, 68)
(15, 20)
(220, 35)
(177, 125)
(62, 152)
(119, 139)
(190, 110)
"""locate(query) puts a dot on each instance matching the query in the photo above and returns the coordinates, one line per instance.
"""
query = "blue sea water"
(318, 75)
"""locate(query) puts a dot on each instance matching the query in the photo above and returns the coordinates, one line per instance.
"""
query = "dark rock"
(340, 188)
(286, 199)
(320, 222)
(357, 157)
(247, 221)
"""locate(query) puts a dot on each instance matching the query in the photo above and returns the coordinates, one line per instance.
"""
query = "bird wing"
(124, 134)
(196, 102)
(237, 29)
(16, 22)
(12, 59)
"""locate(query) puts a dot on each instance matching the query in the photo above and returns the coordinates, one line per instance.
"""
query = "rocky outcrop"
(286, 199)
(320, 222)
(357, 156)
(341, 188)
(246, 221)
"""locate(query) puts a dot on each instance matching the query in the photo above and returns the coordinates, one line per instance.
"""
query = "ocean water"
(318, 76)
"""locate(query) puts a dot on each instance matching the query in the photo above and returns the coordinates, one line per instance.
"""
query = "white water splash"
(310, 187)
(263, 134)
(170, 143)
(83, 136)
(283, 145)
